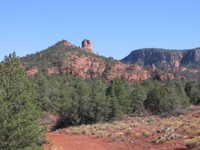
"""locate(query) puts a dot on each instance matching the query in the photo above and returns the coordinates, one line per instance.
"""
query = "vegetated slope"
(65, 58)
(183, 62)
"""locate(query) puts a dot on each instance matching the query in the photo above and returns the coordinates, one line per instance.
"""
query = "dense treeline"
(80, 101)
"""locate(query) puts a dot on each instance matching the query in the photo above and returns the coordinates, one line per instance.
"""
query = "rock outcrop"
(87, 45)
(93, 67)
(33, 71)
(66, 43)
(63, 43)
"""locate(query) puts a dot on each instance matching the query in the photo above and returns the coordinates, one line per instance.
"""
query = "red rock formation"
(32, 72)
(53, 70)
(167, 76)
(94, 67)
(87, 45)
(175, 61)
(194, 70)
(63, 43)
(66, 43)
(176, 64)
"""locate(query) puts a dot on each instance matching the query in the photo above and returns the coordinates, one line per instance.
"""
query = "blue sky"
(116, 27)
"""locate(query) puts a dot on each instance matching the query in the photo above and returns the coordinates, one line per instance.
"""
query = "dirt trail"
(62, 141)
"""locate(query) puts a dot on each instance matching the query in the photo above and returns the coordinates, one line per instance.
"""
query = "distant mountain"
(159, 57)
(67, 59)
(184, 62)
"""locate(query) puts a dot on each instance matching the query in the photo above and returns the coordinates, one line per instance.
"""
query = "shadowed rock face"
(184, 63)
(87, 45)
(162, 57)
(177, 61)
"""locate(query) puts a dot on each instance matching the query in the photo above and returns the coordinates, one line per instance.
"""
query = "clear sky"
(116, 27)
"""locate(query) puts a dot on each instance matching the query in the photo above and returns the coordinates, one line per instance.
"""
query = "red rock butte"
(87, 45)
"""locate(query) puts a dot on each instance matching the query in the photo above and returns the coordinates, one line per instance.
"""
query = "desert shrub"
(138, 96)
(193, 91)
(166, 98)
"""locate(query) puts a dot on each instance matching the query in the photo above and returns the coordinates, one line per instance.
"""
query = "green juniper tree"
(43, 91)
(19, 129)
(138, 95)
(166, 98)
(100, 103)
(120, 102)
(192, 89)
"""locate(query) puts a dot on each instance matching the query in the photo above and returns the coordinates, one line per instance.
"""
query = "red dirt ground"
(62, 141)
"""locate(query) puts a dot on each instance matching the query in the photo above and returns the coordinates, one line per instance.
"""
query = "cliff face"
(167, 60)
(91, 67)
(64, 58)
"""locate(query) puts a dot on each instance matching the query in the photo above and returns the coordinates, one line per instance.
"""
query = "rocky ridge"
(68, 59)
(182, 62)
(65, 58)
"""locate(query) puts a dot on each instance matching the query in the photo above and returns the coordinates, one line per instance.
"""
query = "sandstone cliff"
(159, 57)
(183, 62)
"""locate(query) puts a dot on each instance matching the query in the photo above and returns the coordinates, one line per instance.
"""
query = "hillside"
(66, 58)
(185, 62)
(159, 57)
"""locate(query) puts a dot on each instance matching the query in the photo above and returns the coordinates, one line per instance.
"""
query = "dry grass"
(134, 128)
(193, 142)
(117, 130)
